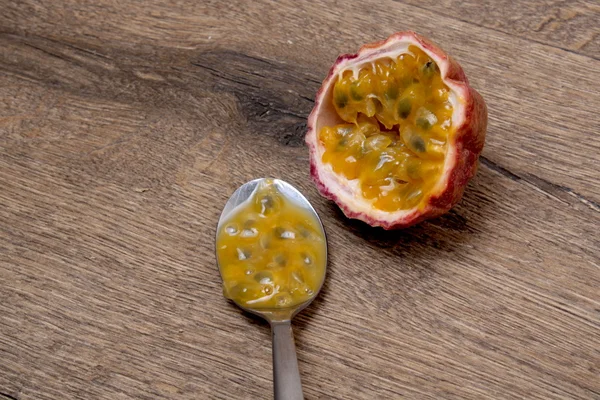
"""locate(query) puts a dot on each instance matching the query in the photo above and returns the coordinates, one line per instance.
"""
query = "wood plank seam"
(540, 184)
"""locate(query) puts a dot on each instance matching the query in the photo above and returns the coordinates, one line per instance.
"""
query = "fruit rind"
(465, 144)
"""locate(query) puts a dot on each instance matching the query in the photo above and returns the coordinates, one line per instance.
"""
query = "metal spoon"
(286, 377)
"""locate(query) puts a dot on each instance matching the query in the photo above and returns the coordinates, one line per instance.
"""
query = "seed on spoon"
(283, 233)
(280, 260)
(243, 254)
(231, 230)
(247, 233)
(283, 299)
(264, 277)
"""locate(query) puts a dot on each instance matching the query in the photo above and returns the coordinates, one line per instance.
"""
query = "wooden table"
(125, 126)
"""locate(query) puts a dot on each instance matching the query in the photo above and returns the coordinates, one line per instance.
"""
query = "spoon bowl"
(286, 377)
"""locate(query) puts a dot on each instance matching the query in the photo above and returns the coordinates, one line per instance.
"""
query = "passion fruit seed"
(249, 233)
(267, 204)
(404, 108)
(418, 144)
(280, 260)
(355, 92)
(341, 99)
(244, 292)
(243, 254)
(282, 233)
(264, 277)
(377, 143)
(391, 92)
(407, 97)
(429, 69)
(231, 230)
(342, 144)
(425, 119)
(237, 291)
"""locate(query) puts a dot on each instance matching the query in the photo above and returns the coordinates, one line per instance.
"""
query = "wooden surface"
(125, 126)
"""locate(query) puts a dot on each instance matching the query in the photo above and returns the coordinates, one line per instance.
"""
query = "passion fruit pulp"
(396, 132)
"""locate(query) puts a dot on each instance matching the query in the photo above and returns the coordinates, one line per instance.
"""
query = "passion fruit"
(396, 132)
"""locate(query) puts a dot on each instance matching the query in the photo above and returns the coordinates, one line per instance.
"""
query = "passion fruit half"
(395, 132)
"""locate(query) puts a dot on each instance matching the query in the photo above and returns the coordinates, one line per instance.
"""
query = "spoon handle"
(286, 377)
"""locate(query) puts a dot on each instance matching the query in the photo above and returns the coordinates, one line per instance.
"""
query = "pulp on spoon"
(271, 251)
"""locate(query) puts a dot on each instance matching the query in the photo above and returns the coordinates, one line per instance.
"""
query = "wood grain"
(568, 25)
(124, 127)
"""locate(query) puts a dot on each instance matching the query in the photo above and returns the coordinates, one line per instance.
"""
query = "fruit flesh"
(271, 252)
(397, 124)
